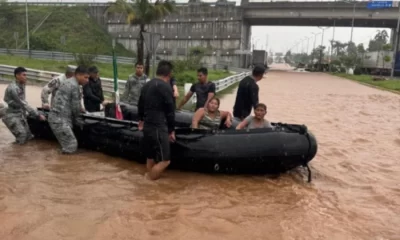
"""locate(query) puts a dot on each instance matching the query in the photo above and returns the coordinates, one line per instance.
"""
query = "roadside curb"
(369, 85)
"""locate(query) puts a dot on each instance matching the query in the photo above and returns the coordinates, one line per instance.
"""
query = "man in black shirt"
(204, 90)
(157, 120)
(247, 93)
(93, 91)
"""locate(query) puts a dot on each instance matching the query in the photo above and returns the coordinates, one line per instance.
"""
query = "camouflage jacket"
(132, 89)
(66, 105)
(52, 87)
(14, 96)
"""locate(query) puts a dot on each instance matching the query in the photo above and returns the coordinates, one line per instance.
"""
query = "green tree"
(8, 15)
(380, 39)
(142, 13)
(386, 58)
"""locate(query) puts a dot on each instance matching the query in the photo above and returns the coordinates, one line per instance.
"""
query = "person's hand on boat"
(46, 106)
(140, 126)
(104, 103)
(42, 118)
(83, 110)
(228, 123)
(172, 137)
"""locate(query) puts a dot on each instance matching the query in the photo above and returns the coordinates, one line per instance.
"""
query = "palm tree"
(382, 36)
(142, 13)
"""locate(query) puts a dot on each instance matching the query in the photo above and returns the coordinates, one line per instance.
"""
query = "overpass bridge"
(317, 13)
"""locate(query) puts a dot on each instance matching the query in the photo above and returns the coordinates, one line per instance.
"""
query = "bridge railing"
(42, 77)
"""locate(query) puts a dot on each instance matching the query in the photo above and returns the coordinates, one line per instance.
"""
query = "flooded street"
(355, 193)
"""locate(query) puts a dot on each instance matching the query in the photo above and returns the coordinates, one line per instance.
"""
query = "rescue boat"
(255, 151)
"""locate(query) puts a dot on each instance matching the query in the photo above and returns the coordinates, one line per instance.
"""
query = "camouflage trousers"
(2, 111)
(19, 127)
(65, 136)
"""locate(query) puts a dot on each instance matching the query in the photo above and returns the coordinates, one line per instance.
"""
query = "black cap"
(93, 69)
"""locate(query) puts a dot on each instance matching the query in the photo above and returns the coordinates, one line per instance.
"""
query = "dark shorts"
(156, 144)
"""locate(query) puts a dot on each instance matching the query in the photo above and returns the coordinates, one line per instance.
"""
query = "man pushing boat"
(157, 120)
(52, 86)
(66, 109)
(15, 117)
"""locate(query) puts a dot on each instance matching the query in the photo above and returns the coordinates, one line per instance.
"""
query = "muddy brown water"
(355, 193)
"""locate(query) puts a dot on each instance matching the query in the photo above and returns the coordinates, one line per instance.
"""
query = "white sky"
(280, 39)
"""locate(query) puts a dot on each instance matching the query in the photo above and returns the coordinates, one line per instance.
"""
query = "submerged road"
(355, 193)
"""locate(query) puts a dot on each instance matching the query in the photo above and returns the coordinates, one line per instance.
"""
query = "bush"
(86, 60)
(357, 71)
(185, 77)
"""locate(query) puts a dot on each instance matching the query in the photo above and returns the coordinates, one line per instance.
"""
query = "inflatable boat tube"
(183, 119)
(256, 151)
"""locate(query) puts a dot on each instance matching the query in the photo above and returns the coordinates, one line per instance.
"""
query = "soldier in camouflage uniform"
(66, 109)
(15, 115)
(2, 110)
(52, 86)
(134, 85)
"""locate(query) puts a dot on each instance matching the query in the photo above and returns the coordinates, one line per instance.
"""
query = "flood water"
(355, 193)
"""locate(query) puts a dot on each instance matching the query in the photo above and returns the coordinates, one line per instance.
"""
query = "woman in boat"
(210, 117)
(256, 121)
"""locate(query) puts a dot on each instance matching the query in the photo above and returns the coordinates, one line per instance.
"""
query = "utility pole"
(352, 22)
(322, 44)
(396, 46)
(331, 52)
(27, 24)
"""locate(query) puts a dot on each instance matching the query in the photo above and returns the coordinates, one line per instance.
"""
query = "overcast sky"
(280, 39)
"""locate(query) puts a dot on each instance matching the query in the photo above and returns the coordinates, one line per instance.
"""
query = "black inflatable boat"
(255, 151)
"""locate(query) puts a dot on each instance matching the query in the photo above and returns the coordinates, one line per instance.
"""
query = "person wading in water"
(157, 120)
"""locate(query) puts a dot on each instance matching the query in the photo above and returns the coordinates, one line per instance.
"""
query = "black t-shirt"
(202, 91)
(246, 97)
(156, 105)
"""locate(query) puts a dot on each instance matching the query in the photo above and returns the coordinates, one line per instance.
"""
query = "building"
(218, 27)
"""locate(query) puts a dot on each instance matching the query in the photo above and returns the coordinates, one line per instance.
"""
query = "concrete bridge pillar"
(245, 44)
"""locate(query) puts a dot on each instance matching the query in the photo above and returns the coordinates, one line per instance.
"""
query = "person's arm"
(125, 95)
(49, 88)
(254, 94)
(174, 88)
(227, 116)
(198, 115)
(76, 102)
(243, 124)
(169, 106)
(16, 101)
(187, 97)
(141, 103)
(88, 94)
(211, 94)
(101, 91)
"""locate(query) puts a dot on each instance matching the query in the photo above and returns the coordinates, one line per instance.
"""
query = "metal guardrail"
(61, 56)
(7, 73)
(65, 56)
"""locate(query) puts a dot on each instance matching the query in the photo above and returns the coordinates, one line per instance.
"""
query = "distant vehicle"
(374, 63)
(260, 57)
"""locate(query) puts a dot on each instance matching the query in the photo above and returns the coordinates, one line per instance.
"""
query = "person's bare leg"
(157, 169)
(150, 164)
